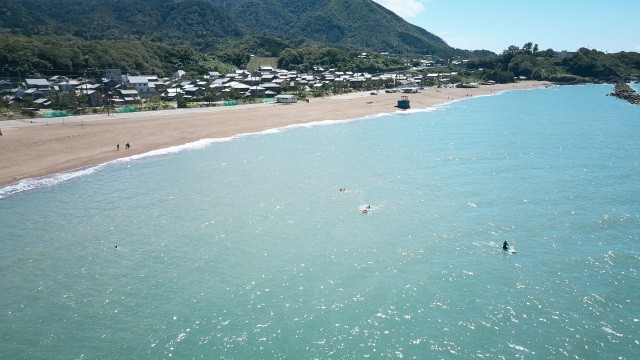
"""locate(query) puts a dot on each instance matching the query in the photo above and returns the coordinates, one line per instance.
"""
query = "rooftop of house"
(37, 82)
(129, 92)
(137, 79)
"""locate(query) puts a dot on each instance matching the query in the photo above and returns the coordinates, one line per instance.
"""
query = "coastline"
(44, 147)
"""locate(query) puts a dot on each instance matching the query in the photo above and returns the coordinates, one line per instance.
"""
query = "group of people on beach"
(126, 146)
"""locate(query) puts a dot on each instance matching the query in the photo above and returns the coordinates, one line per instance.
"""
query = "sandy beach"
(40, 147)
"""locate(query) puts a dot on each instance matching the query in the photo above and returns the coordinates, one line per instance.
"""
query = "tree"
(181, 102)
(501, 76)
(522, 65)
(210, 95)
(68, 100)
(290, 58)
(511, 50)
(234, 94)
(4, 105)
(549, 53)
(154, 103)
(429, 81)
(236, 57)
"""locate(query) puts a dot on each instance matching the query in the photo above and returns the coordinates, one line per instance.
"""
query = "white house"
(139, 83)
(286, 99)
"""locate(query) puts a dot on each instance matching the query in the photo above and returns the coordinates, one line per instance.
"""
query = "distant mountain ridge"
(361, 25)
(348, 24)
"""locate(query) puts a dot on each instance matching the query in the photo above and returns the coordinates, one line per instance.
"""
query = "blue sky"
(607, 25)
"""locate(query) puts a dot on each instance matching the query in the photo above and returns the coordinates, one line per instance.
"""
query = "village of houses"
(117, 90)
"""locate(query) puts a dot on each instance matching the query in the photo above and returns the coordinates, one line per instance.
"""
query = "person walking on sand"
(118, 147)
(126, 146)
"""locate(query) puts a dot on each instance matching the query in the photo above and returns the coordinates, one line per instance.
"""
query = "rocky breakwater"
(626, 92)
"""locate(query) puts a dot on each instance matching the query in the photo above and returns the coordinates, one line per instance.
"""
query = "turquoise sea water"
(245, 248)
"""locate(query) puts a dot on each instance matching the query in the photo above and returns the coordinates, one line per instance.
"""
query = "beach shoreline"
(43, 147)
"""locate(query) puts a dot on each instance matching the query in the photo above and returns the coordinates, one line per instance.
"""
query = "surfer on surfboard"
(508, 248)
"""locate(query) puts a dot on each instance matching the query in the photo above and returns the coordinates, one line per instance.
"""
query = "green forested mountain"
(38, 55)
(76, 37)
(196, 22)
(208, 25)
(352, 24)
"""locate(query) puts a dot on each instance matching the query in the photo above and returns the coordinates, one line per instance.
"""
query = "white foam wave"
(45, 181)
(520, 348)
(609, 330)
(420, 110)
(51, 180)
(331, 122)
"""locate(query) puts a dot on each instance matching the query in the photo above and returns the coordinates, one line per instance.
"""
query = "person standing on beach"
(118, 147)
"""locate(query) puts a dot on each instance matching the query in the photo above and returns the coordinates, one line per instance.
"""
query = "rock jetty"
(626, 92)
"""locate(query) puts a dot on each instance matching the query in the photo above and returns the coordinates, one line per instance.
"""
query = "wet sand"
(40, 147)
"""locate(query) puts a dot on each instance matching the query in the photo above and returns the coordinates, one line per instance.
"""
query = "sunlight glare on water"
(246, 248)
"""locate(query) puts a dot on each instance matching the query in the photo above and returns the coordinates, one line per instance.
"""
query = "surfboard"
(510, 250)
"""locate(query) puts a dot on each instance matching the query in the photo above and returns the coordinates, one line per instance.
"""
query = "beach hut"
(403, 103)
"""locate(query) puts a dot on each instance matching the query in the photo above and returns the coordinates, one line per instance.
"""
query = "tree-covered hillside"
(583, 65)
(45, 56)
(74, 37)
(211, 25)
(198, 23)
(57, 55)
(348, 24)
